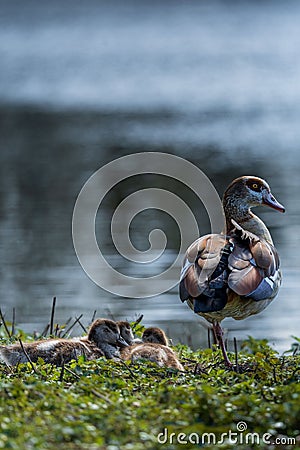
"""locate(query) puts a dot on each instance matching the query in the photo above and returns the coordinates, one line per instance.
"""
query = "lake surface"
(216, 83)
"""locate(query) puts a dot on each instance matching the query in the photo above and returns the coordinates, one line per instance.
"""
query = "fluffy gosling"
(103, 340)
(154, 348)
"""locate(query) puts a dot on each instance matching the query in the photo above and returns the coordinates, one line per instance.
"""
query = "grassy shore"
(116, 405)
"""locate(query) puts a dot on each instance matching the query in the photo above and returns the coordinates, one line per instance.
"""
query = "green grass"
(110, 405)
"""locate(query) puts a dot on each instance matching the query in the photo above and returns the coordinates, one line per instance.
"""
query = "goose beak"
(122, 342)
(270, 200)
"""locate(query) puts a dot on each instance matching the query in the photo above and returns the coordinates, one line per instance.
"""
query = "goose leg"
(219, 336)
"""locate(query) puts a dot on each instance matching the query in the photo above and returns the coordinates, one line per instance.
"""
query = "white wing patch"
(47, 345)
(84, 346)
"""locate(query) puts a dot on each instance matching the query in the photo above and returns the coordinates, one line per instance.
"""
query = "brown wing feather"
(244, 281)
(251, 260)
(264, 256)
(201, 259)
(196, 248)
(191, 282)
(209, 258)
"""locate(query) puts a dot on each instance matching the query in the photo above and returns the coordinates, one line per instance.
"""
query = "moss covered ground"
(116, 405)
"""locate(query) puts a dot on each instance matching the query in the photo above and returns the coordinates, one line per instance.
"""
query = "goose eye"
(255, 187)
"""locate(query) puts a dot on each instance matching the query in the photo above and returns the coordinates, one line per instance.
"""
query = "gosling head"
(155, 335)
(126, 331)
(105, 331)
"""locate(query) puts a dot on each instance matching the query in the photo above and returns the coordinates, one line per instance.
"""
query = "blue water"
(84, 83)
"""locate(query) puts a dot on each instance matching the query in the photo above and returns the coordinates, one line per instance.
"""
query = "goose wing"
(253, 265)
(215, 264)
(204, 273)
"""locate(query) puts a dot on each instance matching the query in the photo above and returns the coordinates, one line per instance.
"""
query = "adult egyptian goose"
(154, 347)
(236, 273)
(103, 340)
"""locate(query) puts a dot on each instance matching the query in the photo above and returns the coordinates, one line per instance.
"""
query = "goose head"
(155, 335)
(244, 193)
(105, 331)
(126, 331)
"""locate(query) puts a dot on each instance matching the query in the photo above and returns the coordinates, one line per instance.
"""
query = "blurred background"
(83, 83)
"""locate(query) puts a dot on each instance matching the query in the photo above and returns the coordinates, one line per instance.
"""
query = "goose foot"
(219, 337)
